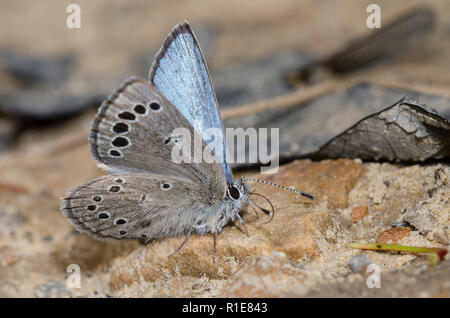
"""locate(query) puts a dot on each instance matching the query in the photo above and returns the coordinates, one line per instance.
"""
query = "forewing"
(179, 73)
(137, 206)
(133, 132)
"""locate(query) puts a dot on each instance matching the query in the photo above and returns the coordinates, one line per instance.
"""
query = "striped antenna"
(307, 195)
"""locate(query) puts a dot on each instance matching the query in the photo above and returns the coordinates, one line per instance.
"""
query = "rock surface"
(300, 250)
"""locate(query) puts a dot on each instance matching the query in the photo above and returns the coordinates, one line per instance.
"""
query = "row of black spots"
(122, 127)
(142, 110)
(118, 142)
(106, 215)
(99, 198)
(119, 221)
(139, 109)
(94, 207)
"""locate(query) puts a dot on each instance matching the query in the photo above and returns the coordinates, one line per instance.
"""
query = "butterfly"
(148, 196)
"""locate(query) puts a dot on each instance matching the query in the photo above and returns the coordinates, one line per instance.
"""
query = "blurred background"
(255, 50)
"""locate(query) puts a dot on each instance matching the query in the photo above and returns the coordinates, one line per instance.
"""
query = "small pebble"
(53, 289)
(358, 213)
(359, 262)
(8, 256)
(392, 236)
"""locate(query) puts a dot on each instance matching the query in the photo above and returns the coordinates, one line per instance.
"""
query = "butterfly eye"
(233, 192)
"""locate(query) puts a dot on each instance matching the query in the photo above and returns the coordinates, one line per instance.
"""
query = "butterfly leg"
(243, 224)
(145, 241)
(182, 244)
(214, 248)
(252, 204)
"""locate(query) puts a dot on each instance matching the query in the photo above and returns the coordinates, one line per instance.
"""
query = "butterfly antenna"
(269, 213)
(307, 195)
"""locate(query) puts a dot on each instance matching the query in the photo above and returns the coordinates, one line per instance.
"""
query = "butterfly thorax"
(234, 202)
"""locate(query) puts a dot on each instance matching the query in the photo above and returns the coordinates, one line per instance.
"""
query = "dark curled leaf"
(32, 70)
(404, 33)
(318, 129)
(232, 86)
(405, 131)
(50, 104)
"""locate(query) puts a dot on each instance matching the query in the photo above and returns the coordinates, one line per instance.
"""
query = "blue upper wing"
(179, 72)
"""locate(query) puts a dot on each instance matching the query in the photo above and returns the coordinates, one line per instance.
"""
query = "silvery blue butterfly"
(148, 196)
